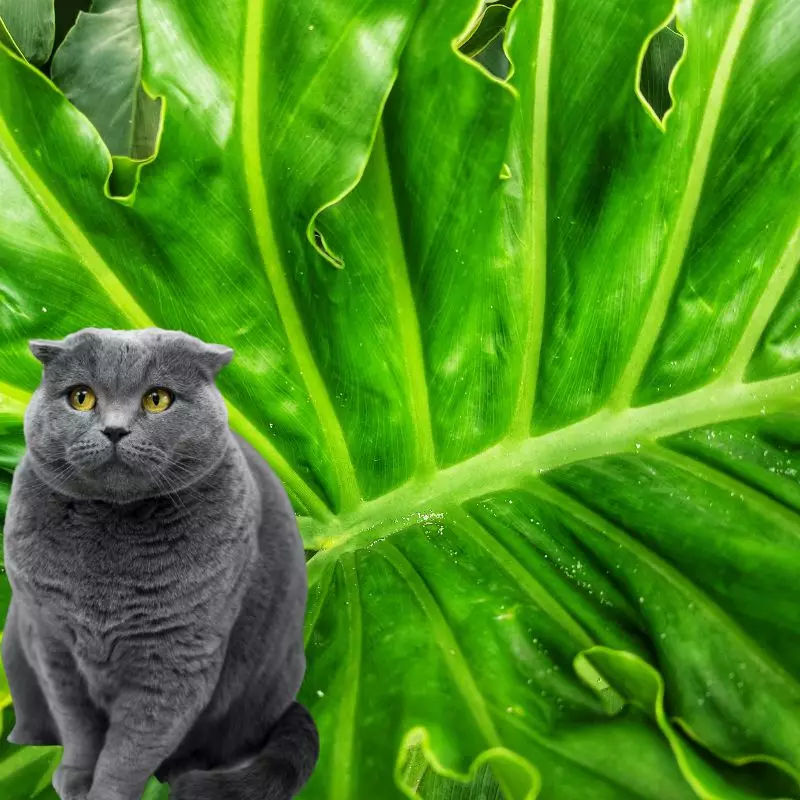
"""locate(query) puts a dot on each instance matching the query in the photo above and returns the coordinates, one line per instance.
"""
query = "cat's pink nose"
(115, 433)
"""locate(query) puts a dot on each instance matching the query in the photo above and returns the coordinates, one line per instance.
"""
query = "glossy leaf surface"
(524, 357)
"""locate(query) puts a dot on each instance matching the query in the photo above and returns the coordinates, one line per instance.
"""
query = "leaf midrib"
(500, 467)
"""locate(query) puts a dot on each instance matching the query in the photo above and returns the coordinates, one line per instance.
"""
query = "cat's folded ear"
(215, 356)
(46, 349)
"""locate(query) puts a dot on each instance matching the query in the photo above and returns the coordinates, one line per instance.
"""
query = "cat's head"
(121, 415)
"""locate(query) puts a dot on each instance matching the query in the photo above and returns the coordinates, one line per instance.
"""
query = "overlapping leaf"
(98, 67)
(532, 383)
(32, 27)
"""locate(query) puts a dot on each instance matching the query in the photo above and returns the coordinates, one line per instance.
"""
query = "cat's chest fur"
(122, 585)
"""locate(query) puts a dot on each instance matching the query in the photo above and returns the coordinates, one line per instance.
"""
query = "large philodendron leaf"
(526, 360)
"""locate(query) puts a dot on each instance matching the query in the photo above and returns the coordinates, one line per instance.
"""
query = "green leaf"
(524, 356)
(99, 67)
(25, 772)
(32, 24)
(6, 40)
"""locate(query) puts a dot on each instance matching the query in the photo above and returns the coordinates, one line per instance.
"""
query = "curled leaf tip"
(497, 771)
(321, 246)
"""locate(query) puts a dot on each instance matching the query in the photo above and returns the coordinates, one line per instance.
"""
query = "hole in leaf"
(660, 59)
(484, 43)
(124, 177)
(126, 170)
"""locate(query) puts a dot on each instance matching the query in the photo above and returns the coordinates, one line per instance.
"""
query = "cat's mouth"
(116, 459)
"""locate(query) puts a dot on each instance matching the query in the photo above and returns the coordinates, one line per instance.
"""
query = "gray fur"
(158, 596)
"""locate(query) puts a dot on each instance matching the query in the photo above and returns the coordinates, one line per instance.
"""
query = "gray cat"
(158, 580)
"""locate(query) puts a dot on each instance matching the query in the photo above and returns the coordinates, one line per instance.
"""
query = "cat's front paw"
(72, 783)
(106, 793)
(22, 734)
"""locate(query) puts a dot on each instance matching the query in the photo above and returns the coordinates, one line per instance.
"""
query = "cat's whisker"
(173, 490)
(166, 490)
(64, 474)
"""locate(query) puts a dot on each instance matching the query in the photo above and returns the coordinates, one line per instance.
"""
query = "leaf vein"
(767, 303)
(713, 475)
(681, 233)
(536, 229)
(408, 320)
(602, 525)
(344, 742)
(270, 255)
(505, 559)
(317, 603)
(549, 744)
(446, 640)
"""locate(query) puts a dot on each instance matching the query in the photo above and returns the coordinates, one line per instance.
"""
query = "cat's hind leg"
(34, 722)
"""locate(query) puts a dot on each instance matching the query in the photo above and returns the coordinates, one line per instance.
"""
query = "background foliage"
(515, 310)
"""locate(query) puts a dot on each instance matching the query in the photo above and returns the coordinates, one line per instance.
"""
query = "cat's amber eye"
(82, 398)
(157, 400)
